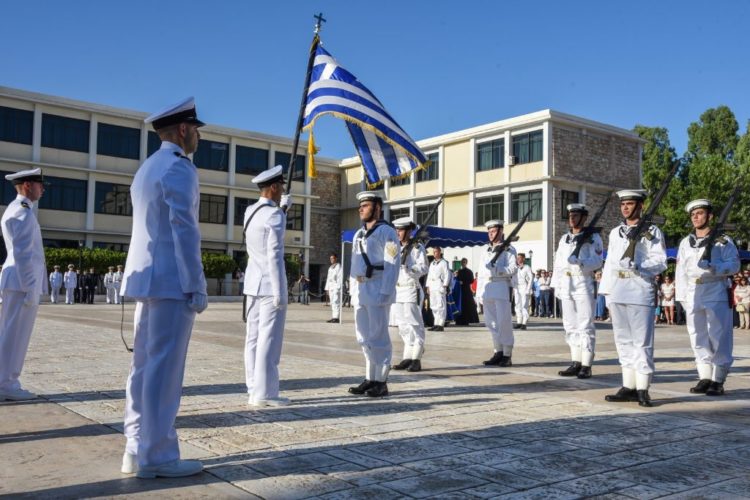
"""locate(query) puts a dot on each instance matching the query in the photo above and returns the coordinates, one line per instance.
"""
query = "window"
(240, 205)
(60, 244)
(65, 194)
(488, 208)
(528, 147)
(251, 160)
(153, 144)
(422, 212)
(283, 159)
(112, 199)
(117, 247)
(401, 182)
(16, 125)
(566, 198)
(295, 218)
(9, 192)
(212, 155)
(65, 133)
(522, 202)
(213, 209)
(430, 173)
(122, 142)
(491, 155)
(397, 213)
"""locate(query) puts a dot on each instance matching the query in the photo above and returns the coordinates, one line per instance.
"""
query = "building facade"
(540, 162)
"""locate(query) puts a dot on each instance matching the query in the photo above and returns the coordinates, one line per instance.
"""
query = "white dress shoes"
(16, 395)
(129, 463)
(261, 403)
(176, 468)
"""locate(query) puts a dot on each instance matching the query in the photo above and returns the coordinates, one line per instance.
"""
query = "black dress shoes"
(571, 371)
(377, 390)
(495, 359)
(505, 362)
(415, 366)
(702, 386)
(403, 365)
(644, 399)
(715, 389)
(333, 320)
(585, 372)
(361, 388)
(437, 328)
(624, 395)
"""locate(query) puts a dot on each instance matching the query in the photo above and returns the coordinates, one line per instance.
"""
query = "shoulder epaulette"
(178, 155)
(25, 205)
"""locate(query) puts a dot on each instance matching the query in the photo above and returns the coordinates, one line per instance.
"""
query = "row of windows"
(71, 134)
(526, 148)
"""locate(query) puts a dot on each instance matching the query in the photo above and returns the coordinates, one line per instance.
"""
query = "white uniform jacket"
(635, 285)
(408, 289)
(522, 280)
(335, 278)
(55, 279)
(164, 260)
(266, 271)
(439, 276)
(494, 282)
(24, 269)
(383, 249)
(70, 279)
(576, 279)
(109, 280)
(700, 286)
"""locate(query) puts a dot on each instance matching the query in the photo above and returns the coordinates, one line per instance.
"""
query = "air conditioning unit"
(512, 160)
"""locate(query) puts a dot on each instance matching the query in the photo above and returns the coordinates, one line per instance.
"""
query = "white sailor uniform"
(70, 280)
(116, 285)
(438, 281)
(109, 287)
(409, 297)
(334, 281)
(55, 283)
(493, 289)
(573, 282)
(703, 294)
(522, 281)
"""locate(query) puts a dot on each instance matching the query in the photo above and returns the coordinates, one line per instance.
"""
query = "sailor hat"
(403, 223)
(632, 194)
(577, 207)
(699, 203)
(369, 196)
(182, 112)
(32, 175)
(270, 176)
(493, 223)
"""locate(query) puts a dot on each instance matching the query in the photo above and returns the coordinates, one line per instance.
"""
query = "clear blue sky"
(437, 65)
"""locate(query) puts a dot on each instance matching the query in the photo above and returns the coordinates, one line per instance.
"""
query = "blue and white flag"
(384, 148)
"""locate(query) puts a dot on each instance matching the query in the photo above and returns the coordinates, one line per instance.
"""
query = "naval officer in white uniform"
(22, 280)
(493, 290)
(55, 283)
(334, 282)
(164, 274)
(409, 297)
(70, 278)
(374, 273)
(266, 289)
(573, 281)
(522, 281)
(438, 284)
(701, 287)
(629, 288)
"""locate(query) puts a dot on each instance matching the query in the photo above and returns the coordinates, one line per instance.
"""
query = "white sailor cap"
(369, 196)
(270, 176)
(182, 112)
(31, 175)
(577, 207)
(493, 223)
(632, 194)
(699, 203)
(403, 223)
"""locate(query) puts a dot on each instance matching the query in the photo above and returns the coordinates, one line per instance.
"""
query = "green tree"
(714, 134)
(98, 258)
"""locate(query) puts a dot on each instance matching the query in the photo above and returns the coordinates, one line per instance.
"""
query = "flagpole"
(300, 118)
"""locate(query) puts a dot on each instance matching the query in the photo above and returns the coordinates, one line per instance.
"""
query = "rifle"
(585, 235)
(513, 236)
(639, 230)
(421, 233)
(721, 223)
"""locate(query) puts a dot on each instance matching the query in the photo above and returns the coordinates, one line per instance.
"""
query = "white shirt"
(494, 282)
(576, 279)
(334, 278)
(55, 279)
(24, 269)
(383, 249)
(266, 270)
(523, 279)
(408, 289)
(71, 279)
(439, 276)
(699, 286)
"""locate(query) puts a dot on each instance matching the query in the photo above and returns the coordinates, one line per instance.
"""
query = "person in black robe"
(465, 277)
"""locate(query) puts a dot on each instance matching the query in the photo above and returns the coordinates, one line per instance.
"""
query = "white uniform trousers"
(371, 324)
(16, 324)
(69, 295)
(154, 388)
(263, 341)
(116, 288)
(711, 336)
(335, 303)
(111, 295)
(578, 322)
(633, 328)
(54, 294)
(438, 305)
(522, 306)
(499, 322)
(410, 327)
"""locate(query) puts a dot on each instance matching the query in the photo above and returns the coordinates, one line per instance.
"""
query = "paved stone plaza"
(455, 430)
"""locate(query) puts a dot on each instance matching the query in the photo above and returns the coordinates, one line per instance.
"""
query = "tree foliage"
(216, 265)
(98, 258)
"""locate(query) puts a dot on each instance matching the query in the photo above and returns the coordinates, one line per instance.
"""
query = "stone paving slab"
(456, 430)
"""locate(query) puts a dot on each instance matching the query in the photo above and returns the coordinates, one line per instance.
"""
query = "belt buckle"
(568, 273)
(623, 274)
(698, 281)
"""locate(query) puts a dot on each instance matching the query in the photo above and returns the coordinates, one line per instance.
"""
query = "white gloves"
(286, 201)
(31, 299)
(198, 302)
(276, 301)
(573, 260)
(626, 263)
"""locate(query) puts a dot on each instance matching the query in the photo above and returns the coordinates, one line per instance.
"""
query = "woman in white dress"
(667, 300)
(742, 299)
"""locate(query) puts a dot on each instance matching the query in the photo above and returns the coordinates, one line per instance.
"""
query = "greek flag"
(384, 148)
